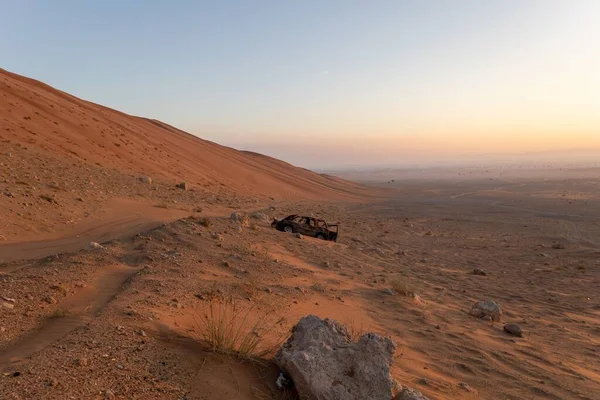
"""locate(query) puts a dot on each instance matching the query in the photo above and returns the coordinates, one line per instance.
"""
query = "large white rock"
(325, 364)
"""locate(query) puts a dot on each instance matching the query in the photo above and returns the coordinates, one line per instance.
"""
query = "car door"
(312, 228)
(303, 226)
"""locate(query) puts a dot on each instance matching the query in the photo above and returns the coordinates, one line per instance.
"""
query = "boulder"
(487, 308)
(410, 394)
(325, 364)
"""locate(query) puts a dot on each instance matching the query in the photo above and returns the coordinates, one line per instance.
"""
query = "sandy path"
(78, 311)
(120, 219)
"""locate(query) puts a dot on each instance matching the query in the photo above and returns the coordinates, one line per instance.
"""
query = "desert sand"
(122, 320)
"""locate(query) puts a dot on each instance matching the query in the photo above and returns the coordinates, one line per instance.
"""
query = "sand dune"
(36, 114)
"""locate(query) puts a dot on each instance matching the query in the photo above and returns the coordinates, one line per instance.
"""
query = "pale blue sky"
(377, 80)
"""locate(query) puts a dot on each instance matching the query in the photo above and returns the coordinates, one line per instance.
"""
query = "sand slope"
(34, 113)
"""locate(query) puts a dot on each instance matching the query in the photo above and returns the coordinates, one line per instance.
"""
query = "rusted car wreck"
(307, 226)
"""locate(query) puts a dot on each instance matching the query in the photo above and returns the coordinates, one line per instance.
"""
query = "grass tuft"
(236, 328)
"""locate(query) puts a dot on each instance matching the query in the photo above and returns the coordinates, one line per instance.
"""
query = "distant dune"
(36, 114)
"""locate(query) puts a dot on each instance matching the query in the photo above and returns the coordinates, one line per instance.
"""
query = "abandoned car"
(307, 226)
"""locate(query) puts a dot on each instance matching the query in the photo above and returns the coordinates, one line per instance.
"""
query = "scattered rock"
(183, 186)
(239, 218)
(50, 300)
(487, 308)
(49, 199)
(464, 386)
(389, 291)
(513, 329)
(401, 252)
(559, 246)
(299, 235)
(324, 363)
(95, 245)
(479, 271)
(410, 394)
(145, 179)
(260, 216)
(217, 236)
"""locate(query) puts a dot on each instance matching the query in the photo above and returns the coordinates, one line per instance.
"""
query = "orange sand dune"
(34, 113)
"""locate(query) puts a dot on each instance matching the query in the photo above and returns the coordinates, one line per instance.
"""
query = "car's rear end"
(333, 232)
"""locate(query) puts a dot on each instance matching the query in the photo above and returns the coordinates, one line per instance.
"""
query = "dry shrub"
(402, 286)
(205, 222)
(355, 330)
(241, 329)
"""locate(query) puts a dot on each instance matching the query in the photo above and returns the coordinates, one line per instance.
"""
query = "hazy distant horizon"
(332, 83)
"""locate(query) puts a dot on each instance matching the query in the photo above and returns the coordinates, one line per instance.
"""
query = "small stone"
(82, 362)
(299, 235)
(50, 300)
(10, 306)
(53, 382)
(217, 236)
(479, 271)
(464, 386)
(183, 186)
(268, 290)
(424, 381)
(389, 292)
(513, 329)
(558, 246)
(95, 245)
(145, 179)
(109, 395)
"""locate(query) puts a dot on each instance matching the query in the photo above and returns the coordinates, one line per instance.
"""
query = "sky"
(332, 83)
